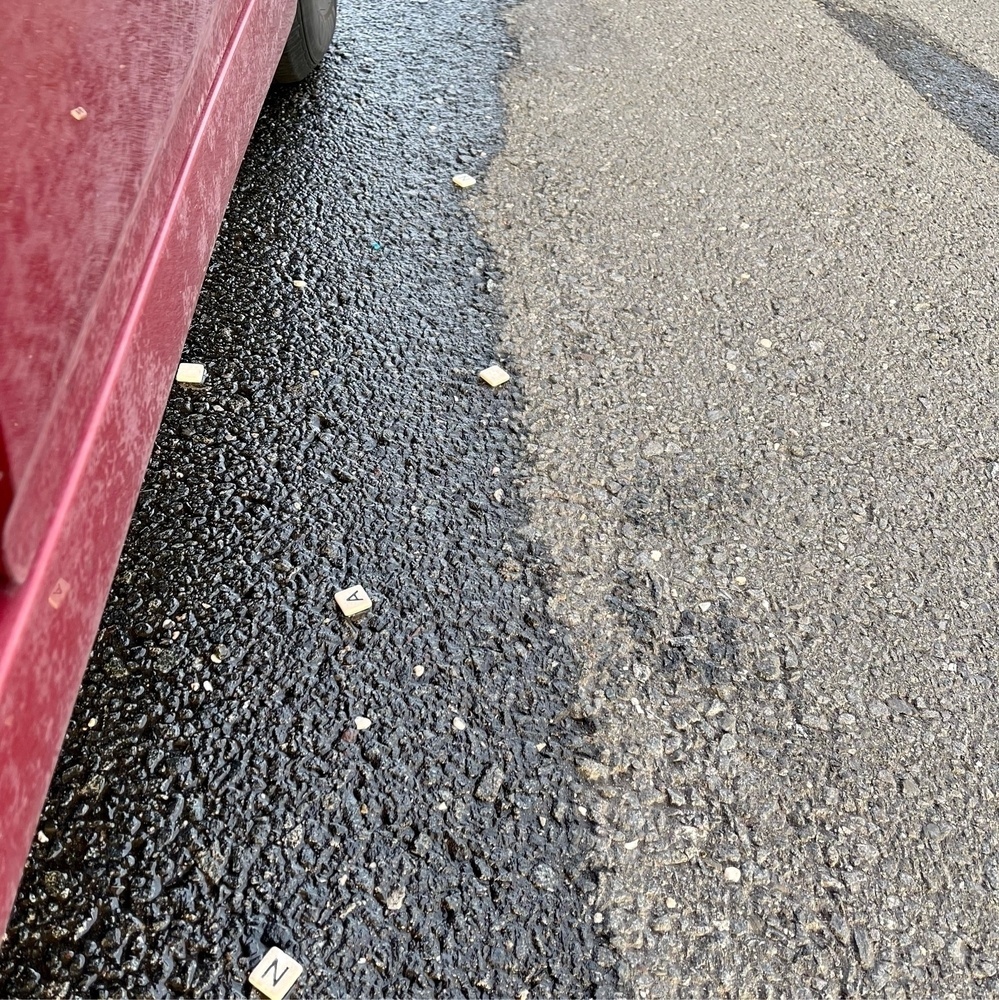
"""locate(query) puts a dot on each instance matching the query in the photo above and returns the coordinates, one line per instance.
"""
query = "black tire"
(308, 40)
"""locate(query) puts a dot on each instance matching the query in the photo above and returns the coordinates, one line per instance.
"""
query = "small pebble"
(419, 670)
(361, 723)
(299, 284)
(732, 874)
(458, 724)
(42, 839)
(395, 899)
(765, 344)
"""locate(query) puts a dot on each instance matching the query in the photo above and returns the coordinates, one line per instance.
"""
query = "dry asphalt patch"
(750, 259)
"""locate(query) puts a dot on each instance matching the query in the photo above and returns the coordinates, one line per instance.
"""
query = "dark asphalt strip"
(950, 84)
(214, 795)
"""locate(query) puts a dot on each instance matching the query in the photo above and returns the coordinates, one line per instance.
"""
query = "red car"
(123, 127)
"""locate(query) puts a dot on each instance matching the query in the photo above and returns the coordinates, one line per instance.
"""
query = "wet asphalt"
(214, 796)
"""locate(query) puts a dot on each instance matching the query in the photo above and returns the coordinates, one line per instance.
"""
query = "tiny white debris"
(298, 283)
(740, 581)
(732, 874)
(79, 113)
(540, 746)
(498, 495)
(215, 658)
(494, 376)
(598, 917)
(631, 845)
(352, 601)
(395, 899)
(42, 839)
(671, 903)
(463, 180)
(458, 724)
(419, 670)
(705, 606)
(91, 724)
(275, 975)
(192, 373)
(209, 686)
(765, 344)
(655, 555)
(361, 723)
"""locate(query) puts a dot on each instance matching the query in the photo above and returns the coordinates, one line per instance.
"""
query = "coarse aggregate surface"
(750, 271)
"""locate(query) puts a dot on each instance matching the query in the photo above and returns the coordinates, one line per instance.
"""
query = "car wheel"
(308, 40)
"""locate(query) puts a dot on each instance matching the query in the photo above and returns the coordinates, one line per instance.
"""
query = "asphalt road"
(679, 672)
(751, 278)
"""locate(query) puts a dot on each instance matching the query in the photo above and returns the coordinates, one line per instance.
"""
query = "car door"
(124, 124)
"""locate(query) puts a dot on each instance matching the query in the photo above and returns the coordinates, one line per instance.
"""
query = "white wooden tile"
(275, 975)
(463, 180)
(352, 601)
(193, 373)
(494, 375)
(59, 592)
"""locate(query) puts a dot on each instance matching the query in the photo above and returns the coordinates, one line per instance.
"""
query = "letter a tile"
(352, 601)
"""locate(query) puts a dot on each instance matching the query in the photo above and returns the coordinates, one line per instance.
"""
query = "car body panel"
(83, 383)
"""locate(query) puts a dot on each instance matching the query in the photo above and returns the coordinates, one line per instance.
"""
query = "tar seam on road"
(952, 86)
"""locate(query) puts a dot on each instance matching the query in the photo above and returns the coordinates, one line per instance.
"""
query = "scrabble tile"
(79, 113)
(275, 975)
(494, 376)
(188, 372)
(59, 592)
(463, 180)
(352, 601)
